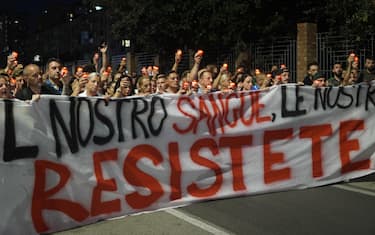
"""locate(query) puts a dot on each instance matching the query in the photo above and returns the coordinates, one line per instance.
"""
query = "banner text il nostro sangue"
(80, 160)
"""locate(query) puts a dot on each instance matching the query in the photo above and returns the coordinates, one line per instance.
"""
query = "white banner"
(71, 161)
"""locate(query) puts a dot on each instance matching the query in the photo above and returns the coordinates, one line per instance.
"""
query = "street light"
(98, 8)
(125, 43)
(37, 58)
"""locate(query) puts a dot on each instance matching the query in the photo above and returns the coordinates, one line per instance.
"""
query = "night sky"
(31, 6)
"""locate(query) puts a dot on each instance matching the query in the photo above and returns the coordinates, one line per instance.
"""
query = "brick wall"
(306, 47)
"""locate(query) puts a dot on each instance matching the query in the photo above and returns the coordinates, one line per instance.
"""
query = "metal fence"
(336, 49)
(143, 59)
(281, 51)
(263, 55)
(211, 56)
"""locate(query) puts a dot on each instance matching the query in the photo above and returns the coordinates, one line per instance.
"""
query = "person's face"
(19, 82)
(355, 64)
(92, 85)
(194, 86)
(225, 81)
(247, 83)
(54, 69)
(284, 77)
(313, 70)
(83, 81)
(153, 86)
(354, 73)
(370, 64)
(353, 76)
(96, 57)
(149, 70)
(320, 82)
(144, 71)
(214, 71)
(160, 83)
(125, 87)
(206, 79)
(79, 72)
(111, 89)
(145, 87)
(4, 88)
(34, 77)
(173, 80)
(337, 70)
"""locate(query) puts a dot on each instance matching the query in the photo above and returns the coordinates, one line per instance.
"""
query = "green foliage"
(351, 16)
(161, 25)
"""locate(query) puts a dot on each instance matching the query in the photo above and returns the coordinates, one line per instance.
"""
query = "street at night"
(187, 117)
(344, 209)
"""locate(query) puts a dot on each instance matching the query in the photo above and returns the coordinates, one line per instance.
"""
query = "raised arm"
(103, 49)
(11, 62)
(216, 82)
(177, 59)
(194, 70)
(348, 69)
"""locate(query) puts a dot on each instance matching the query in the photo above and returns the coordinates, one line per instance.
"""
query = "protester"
(248, 83)
(12, 62)
(312, 69)
(144, 86)
(122, 66)
(123, 87)
(368, 74)
(268, 81)
(177, 60)
(213, 69)
(78, 86)
(318, 80)
(337, 79)
(194, 70)
(217, 81)
(352, 77)
(34, 84)
(92, 86)
(172, 82)
(351, 72)
(4, 87)
(55, 80)
(17, 77)
(196, 80)
(110, 91)
(78, 73)
(100, 63)
(161, 84)
(282, 76)
(204, 81)
(223, 82)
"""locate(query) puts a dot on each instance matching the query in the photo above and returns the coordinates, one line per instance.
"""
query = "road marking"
(354, 189)
(198, 222)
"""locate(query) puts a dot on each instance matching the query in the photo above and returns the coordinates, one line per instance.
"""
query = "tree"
(161, 25)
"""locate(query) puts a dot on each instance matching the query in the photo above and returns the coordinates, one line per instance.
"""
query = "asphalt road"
(344, 209)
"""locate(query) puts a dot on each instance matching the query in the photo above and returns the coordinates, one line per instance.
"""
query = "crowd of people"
(28, 82)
